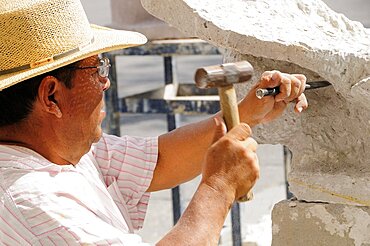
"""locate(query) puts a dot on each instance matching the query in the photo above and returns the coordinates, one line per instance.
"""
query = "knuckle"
(256, 168)
(226, 143)
(267, 73)
(246, 128)
(301, 77)
(254, 142)
(285, 81)
(254, 172)
(296, 83)
(252, 159)
(249, 155)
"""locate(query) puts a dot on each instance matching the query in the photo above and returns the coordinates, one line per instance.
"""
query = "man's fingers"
(240, 132)
(303, 80)
(290, 86)
(297, 87)
(270, 79)
(301, 103)
(285, 89)
(251, 144)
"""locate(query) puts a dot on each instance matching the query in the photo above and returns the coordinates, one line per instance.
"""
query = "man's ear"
(49, 86)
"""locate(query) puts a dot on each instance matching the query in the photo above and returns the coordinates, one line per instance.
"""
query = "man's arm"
(229, 171)
(202, 221)
(181, 151)
(180, 154)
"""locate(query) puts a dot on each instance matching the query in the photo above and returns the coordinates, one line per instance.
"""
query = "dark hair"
(16, 102)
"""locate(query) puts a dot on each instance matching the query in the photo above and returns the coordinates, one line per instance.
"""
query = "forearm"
(181, 153)
(203, 219)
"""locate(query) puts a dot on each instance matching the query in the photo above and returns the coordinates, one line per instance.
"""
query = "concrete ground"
(138, 74)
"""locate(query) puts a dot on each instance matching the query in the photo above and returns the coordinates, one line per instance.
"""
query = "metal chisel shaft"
(260, 93)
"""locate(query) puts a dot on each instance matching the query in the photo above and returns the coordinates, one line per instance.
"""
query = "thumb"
(220, 129)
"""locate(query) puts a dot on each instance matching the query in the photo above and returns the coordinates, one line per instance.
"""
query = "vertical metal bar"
(168, 73)
(176, 204)
(112, 120)
(171, 125)
(235, 222)
(287, 162)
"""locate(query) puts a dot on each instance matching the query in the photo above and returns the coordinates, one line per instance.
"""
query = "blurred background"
(137, 74)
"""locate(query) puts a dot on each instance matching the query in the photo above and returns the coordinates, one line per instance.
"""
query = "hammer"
(224, 77)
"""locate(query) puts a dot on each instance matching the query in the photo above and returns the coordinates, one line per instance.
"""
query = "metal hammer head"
(223, 75)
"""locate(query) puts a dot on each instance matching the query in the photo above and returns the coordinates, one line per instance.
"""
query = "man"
(63, 182)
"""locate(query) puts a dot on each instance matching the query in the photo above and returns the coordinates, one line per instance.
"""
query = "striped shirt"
(100, 201)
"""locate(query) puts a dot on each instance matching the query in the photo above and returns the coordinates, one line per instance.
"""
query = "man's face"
(83, 106)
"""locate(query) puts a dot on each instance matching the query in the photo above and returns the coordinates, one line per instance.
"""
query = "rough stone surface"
(330, 141)
(301, 32)
(295, 223)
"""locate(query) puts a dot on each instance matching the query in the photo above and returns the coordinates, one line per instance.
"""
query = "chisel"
(260, 93)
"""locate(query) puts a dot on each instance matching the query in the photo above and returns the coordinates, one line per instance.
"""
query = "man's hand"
(254, 111)
(231, 164)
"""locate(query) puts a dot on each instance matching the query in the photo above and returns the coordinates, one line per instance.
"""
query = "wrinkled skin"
(83, 104)
(255, 111)
(231, 163)
(64, 121)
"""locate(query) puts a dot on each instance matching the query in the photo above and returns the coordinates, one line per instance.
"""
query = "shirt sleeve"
(130, 162)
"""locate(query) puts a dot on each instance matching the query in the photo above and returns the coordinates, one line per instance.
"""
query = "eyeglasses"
(103, 68)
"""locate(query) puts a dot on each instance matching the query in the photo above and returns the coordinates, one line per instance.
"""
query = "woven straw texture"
(34, 30)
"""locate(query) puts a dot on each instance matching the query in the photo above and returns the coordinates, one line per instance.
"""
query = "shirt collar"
(13, 156)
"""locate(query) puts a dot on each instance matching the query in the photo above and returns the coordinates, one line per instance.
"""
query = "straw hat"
(37, 36)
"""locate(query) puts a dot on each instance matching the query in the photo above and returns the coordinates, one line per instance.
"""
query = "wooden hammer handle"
(229, 108)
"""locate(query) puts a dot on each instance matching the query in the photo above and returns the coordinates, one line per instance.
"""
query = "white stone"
(320, 224)
(331, 140)
(301, 32)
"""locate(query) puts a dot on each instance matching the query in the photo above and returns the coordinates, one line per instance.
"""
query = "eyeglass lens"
(103, 68)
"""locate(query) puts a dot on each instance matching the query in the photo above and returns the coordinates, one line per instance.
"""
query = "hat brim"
(105, 40)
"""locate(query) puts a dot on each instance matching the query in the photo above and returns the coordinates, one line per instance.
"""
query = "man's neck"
(15, 135)
(27, 134)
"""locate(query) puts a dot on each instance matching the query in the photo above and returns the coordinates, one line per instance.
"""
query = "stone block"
(307, 33)
(330, 140)
(301, 223)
